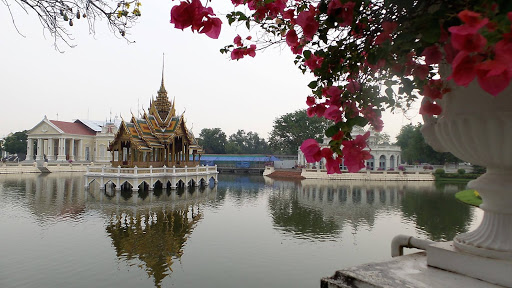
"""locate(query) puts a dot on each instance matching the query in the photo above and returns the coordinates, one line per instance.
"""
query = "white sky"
(104, 73)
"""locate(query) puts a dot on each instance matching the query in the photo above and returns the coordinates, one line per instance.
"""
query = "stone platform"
(404, 271)
(176, 177)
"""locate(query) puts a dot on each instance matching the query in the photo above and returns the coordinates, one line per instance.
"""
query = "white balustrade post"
(135, 170)
(173, 169)
(185, 169)
(119, 170)
(150, 169)
(165, 169)
(103, 169)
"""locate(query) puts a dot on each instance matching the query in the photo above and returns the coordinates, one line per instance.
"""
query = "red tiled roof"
(76, 128)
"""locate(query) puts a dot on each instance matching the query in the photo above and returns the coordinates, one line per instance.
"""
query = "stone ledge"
(404, 271)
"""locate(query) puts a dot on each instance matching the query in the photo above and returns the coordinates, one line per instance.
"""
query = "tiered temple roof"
(159, 128)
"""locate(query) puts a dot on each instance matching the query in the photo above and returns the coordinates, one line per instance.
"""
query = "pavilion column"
(50, 155)
(39, 155)
(30, 149)
(72, 150)
(80, 148)
(173, 154)
(61, 151)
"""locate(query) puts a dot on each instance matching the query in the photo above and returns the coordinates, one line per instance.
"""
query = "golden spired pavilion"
(160, 138)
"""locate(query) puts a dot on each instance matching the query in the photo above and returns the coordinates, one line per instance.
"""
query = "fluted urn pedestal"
(477, 128)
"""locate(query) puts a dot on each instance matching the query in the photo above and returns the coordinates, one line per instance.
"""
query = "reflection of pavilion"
(150, 227)
(156, 238)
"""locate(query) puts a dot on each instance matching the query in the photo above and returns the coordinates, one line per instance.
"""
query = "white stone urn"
(477, 127)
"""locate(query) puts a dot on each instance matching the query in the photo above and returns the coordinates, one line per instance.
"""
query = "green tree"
(382, 138)
(416, 150)
(16, 143)
(246, 143)
(291, 129)
(213, 140)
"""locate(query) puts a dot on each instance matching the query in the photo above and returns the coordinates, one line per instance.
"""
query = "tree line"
(287, 134)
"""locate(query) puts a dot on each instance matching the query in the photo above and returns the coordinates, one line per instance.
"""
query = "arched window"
(382, 162)
(392, 162)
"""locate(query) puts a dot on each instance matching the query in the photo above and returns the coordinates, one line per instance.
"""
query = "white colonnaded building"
(77, 141)
(385, 157)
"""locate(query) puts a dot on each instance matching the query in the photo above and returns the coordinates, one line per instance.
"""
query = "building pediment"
(45, 127)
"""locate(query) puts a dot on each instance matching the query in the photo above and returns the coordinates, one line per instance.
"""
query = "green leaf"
(248, 24)
(331, 131)
(389, 92)
(307, 54)
(313, 84)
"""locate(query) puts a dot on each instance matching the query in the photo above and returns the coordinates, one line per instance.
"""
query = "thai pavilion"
(160, 138)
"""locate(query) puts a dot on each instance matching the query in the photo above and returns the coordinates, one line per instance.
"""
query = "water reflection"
(319, 209)
(148, 230)
(156, 238)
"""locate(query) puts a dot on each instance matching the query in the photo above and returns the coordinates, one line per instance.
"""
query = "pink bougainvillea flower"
(182, 15)
(237, 53)
(467, 42)
(353, 86)
(332, 164)
(354, 153)
(293, 41)
(251, 51)
(430, 108)
(306, 20)
(432, 55)
(333, 113)
(338, 136)
(493, 76)
(464, 68)
(421, 71)
(503, 49)
(314, 62)
(311, 150)
(288, 14)
(449, 52)
(434, 89)
(343, 11)
(388, 28)
(194, 14)
(211, 27)
(238, 41)
(310, 101)
(472, 19)
(374, 117)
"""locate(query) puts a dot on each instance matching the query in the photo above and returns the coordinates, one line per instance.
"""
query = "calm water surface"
(248, 231)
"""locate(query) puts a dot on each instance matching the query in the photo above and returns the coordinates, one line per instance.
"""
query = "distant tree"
(416, 150)
(291, 129)
(246, 143)
(213, 140)
(16, 143)
(382, 138)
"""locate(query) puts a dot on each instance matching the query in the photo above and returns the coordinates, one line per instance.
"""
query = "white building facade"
(384, 157)
(78, 141)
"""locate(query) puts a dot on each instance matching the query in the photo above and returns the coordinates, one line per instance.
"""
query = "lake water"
(248, 231)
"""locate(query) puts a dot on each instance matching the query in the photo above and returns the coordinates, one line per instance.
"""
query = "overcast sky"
(104, 73)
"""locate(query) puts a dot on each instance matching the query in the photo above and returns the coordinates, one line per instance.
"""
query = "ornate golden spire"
(162, 104)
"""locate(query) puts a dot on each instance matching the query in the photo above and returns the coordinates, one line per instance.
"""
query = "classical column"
(79, 155)
(173, 155)
(61, 151)
(72, 150)
(30, 149)
(39, 155)
(50, 155)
